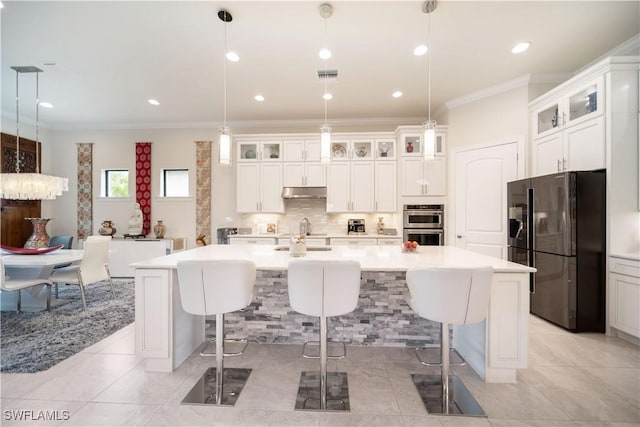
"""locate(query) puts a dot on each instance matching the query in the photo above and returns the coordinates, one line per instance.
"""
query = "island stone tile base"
(382, 317)
(309, 392)
(461, 401)
(204, 391)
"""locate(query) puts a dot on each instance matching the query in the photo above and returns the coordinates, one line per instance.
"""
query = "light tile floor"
(573, 380)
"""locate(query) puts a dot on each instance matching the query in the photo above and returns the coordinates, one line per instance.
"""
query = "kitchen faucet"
(305, 226)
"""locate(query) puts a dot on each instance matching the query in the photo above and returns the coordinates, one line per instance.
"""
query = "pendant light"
(30, 186)
(225, 132)
(429, 127)
(326, 10)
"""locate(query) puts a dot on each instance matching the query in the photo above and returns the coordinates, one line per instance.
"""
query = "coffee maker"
(355, 226)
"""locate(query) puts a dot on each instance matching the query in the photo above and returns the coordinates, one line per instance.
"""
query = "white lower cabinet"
(314, 241)
(123, 252)
(350, 187)
(350, 241)
(259, 187)
(624, 295)
(252, 240)
(424, 177)
(390, 241)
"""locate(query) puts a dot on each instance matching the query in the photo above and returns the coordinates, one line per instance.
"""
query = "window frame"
(106, 193)
(163, 182)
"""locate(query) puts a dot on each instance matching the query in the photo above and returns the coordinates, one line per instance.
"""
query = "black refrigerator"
(557, 224)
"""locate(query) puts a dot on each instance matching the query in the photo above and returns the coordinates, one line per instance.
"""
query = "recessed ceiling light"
(520, 47)
(46, 105)
(420, 50)
(397, 94)
(327, 96)
(259, 98)
(1, 5)
(154, 102)
(324, 53)
(233, 57)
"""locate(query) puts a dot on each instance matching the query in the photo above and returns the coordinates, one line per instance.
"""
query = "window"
(174, 183)
(115, 183)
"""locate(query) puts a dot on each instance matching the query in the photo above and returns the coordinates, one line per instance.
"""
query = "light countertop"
(635, 256)
(371, 258)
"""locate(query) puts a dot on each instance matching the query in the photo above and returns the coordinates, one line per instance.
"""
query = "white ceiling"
(110, 57)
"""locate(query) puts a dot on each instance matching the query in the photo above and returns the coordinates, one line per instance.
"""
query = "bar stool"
(217, 287)
(323, 289)
(458, 296)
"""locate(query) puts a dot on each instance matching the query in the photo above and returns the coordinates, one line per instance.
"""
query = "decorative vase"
(107, 228)
(159, 229)
(409, 147)
(39, 238)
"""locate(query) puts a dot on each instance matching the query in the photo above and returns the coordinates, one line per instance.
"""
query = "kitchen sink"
(309, 248)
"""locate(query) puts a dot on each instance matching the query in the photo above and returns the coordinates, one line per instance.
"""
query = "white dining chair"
(9, 284)
(92, 269)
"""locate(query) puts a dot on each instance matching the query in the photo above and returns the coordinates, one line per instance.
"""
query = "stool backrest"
(458, 296)
(67, 241)
(211, 287)
(323, 288)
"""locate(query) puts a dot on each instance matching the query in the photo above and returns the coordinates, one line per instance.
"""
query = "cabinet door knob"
(459, 236)
(564, 164)
(558, 165)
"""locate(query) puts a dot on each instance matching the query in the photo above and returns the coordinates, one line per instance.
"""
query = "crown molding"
(630, 47)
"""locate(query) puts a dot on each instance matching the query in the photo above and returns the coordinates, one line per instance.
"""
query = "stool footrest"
(317, 354)
(204, 352)
(309, 392)
(452, 350)
(461, 401)
(204, 391)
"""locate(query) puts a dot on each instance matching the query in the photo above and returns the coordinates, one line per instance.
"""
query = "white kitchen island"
(494, 348)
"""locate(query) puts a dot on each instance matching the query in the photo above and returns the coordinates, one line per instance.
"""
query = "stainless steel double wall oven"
(424, 224)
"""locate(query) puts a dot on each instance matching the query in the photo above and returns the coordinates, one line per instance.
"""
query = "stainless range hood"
(304, 192)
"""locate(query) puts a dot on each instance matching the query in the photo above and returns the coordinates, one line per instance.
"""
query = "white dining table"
(34, 267)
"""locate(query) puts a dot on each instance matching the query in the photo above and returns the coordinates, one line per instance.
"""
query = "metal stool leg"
(219, 356)
(444, 350)
(323, 363)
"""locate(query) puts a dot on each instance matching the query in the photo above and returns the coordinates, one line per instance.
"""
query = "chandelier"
(30, 186)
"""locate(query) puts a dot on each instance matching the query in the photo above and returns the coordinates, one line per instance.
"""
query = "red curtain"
(143, 183)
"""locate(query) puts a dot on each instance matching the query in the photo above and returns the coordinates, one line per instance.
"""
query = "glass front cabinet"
(263, 151)
(581, 104)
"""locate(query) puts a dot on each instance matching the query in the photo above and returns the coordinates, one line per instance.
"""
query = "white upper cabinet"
(304, 174)
(424, 177)
(386, 186)
(302, 150)
(259, 187)
(350, 187)
(411, 144)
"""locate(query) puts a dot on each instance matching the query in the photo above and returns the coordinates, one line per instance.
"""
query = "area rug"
(32, 342)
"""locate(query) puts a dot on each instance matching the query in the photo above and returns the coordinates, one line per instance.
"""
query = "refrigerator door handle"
(532, 276)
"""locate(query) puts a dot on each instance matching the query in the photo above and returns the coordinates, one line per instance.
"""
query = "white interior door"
(481, 196)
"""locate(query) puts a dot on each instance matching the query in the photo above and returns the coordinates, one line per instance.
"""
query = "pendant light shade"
(30, 186)
(325, 143)
(225, 146)
(429, 130)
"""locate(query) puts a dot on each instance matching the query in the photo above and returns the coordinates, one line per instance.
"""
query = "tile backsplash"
(315, 210)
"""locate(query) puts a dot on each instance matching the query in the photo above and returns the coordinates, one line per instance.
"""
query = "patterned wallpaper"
(85, 189)
(203, 190)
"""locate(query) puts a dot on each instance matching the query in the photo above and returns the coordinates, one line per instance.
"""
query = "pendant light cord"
(225, 70)
(17, 125)
(37, 123)
(325, 73)
(429, 64)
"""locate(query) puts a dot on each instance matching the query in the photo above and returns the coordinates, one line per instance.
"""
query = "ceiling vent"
(328, 75)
